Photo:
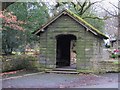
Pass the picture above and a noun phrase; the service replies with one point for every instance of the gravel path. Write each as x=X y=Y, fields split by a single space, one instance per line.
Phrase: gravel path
x=51 y=80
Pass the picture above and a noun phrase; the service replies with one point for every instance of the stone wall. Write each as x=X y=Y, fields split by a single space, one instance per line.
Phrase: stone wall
x=107 y=66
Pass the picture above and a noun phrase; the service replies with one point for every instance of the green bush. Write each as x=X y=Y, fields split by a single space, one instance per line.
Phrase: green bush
x=18 y=62
x=115 y=56
x=107 y=46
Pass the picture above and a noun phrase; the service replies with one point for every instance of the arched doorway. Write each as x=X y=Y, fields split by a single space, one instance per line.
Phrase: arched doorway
x=65 y=45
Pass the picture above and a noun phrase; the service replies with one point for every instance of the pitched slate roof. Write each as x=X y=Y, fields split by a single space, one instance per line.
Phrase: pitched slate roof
x=76 y=18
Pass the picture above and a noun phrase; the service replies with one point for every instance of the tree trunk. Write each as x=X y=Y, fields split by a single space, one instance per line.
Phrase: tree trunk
x=6 y=4
x=119 y=25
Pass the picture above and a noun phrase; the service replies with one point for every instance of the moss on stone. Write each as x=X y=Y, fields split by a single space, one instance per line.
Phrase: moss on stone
x=86 y=23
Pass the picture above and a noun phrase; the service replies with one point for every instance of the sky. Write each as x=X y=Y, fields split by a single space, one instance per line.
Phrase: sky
x=107 y=3
x=104 y=3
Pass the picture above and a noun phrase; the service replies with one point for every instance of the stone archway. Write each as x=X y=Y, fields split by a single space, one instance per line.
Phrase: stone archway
x=65 y=45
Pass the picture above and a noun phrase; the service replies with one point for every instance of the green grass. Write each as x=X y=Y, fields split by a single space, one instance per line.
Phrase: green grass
x=85 y=71
x=19 y=73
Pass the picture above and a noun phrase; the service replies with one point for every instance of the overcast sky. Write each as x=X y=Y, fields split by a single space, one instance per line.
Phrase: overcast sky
x=104 y=3
x=107 y=3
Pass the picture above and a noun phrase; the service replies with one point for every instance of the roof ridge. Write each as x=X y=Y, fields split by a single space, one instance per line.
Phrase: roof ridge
x=74 y=16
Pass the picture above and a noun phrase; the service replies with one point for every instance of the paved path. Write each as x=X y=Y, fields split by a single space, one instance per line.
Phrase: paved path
x=50 y=80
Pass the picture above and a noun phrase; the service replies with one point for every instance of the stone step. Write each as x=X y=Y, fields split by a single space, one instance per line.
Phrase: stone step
x=63 y=72
x=64 y=69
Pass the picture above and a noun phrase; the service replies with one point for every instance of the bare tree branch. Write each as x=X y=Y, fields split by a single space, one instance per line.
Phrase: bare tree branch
x=85 y=7
x=114 y=15
x=104 y=18
x=115 y=5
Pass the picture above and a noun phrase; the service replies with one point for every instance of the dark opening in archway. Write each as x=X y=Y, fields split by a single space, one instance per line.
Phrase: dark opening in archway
x=63 y=49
